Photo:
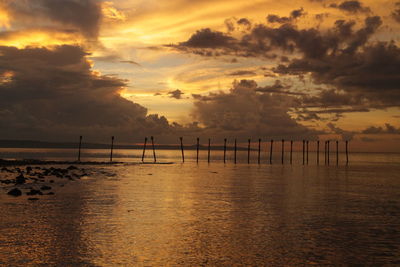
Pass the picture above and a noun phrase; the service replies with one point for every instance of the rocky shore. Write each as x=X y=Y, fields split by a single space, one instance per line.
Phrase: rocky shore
x=36 y=178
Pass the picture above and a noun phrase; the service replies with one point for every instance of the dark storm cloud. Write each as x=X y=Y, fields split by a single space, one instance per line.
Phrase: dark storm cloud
x=53 y=94
x=351 y=7
x=243 y=110
x=83 y=15
x=388 y=129
x=177 y=94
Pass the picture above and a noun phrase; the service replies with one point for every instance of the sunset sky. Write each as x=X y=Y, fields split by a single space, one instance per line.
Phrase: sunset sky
x=246 y=69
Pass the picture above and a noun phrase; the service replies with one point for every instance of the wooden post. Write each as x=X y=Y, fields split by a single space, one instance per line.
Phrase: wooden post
x=209 y=150
x=337 y=152
x=325 y=157
x=304 y=144
x=318 y=152
x=183 y=153
x=234 y=156
x=112 y=147
x=347 y=152
x=154 y=149
x=307 y=150
x=259 y=151
x=283 y=150
x=197 y=152
x=144 y=148
x=225 y=150
x=79 y=149
x=291 y=151
x=270 y=151
x=248 y=152
x=328 y=148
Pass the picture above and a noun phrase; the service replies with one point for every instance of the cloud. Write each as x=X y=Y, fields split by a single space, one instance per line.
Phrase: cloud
x=177 y=94
x=297 y=13
x=243 y=73
x=244 y=22
x=278 y=88
x=53 y=94
x=84 y=15
x=357 y=74
x=331 y=98
x=206 y=38
x=346 y=135
x=396 y=13
x=388 y=129
x=131 y=62
x=353 y=6
x=245 y=111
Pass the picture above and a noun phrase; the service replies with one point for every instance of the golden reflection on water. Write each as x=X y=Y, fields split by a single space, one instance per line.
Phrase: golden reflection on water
x=193 y=215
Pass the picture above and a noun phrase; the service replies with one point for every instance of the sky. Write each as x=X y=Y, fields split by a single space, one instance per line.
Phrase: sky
x=305 y=69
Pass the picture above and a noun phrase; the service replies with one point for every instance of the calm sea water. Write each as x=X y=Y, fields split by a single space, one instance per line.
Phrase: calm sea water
x=208 y=214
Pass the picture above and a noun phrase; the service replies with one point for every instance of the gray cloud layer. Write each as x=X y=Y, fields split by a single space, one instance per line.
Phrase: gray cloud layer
x=83 y=15
x=247 y=111
x=53 y=94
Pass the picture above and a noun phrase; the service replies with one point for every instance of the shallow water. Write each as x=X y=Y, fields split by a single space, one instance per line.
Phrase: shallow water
x=211 y=214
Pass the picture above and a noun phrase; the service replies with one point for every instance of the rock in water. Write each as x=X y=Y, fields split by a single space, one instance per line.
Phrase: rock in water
x=20 y=179
x=45 y=187
x=15 y=192
x=34 y=192
x=72 y=168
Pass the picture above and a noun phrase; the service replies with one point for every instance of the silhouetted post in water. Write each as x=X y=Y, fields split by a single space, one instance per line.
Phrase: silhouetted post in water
x=291 y=151
x=347 y=152
x=79 y=149
x=283 y=149
x=318 y=152
x=325 y=152
x=225 y=150
x=270 y=151
x=304 y=147
x=307 y=150
x=234 y=156
x=183 y=154
x=248 y=152
x=337 y=152
x=112 y=147
x=197 y=152
x=328 y=147
x=154 y=149
x=209 y=150
x=259 y=151
x=144 y=148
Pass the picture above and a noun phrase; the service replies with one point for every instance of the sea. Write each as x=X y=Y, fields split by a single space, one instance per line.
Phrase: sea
x=208 y=212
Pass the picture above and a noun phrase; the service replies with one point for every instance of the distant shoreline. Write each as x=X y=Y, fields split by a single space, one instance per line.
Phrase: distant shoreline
x=70 y=145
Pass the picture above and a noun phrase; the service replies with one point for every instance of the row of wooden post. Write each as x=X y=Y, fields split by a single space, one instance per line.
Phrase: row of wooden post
x=304 y=150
